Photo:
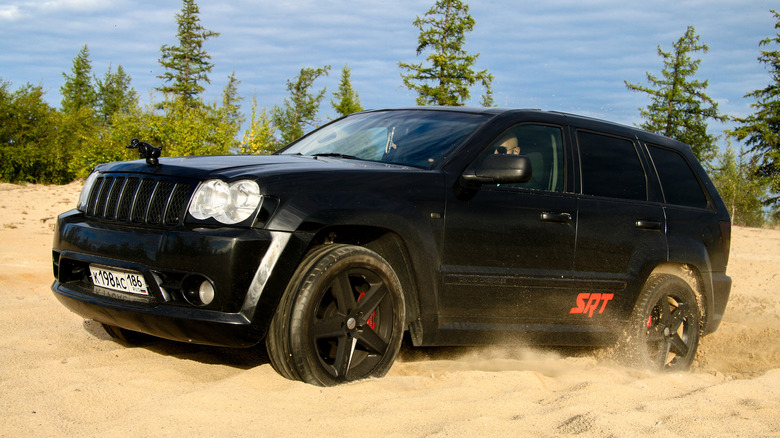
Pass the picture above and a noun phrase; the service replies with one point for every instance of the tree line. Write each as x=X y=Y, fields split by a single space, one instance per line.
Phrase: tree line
x=748 y=179
x=99 y=115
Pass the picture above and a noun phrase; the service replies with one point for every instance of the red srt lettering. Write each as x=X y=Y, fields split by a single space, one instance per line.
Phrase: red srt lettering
x=587 y=303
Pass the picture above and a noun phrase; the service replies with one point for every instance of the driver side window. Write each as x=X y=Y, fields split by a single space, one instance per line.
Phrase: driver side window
x=543 y=145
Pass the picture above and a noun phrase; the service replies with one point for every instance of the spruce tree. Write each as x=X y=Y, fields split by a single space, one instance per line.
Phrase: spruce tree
x=77 y=123
x=259 y=136
x=231 y=110
x=348 y=101
x=114 y=94
x=300 y=109
x=78 y=91
x=761 y=130
x=187 y=65
x=741 y=191
x=231 y=101
x=448 y=75
x=487 y=98
x=679 y=107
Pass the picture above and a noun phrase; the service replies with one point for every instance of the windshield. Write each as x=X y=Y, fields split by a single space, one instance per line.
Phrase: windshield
x=410 y=137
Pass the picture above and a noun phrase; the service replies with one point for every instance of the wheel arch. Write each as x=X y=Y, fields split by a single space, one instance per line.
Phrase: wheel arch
x=390 y=246
x=694 y=254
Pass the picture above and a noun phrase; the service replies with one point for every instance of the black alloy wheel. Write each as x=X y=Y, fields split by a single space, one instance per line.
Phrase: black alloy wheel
x=341 y=318
x=125 y=336
x=665 y=325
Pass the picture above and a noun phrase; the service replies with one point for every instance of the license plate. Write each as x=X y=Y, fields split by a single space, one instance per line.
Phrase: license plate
x=122 y=281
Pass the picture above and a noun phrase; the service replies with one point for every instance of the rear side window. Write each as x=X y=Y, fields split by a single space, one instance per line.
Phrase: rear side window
x=611 y=167
x=680 y=185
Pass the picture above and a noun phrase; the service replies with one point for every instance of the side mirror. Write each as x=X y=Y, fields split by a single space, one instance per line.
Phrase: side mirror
x=499 y=169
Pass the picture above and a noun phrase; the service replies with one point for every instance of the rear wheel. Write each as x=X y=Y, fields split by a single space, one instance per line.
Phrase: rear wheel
x=340 y=319
x=665 y=325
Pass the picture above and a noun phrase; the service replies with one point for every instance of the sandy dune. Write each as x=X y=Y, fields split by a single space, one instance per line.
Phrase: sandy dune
x=60 y=375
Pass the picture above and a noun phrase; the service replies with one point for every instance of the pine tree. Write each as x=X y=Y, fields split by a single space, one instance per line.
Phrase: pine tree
x=259 y=137
x=300 y=109
x=102 y=137
x=679 y=107
x=449 y=76
x=231 y=110
x=188 y=64
x=185 y=130
x=348 y=101
x=487 y=98
x=761 y=130
x=77 y=124
x=741 y=191
x=231 y=101
x=77 y=91
x=114 y=94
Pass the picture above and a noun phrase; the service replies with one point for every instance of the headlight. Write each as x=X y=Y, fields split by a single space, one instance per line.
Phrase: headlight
x=86 y=189
x=229 y=203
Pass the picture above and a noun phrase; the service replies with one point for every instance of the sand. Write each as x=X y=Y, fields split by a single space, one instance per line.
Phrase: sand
x=61 y=375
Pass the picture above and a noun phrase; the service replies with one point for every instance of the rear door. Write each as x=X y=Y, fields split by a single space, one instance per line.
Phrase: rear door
x=620 y=225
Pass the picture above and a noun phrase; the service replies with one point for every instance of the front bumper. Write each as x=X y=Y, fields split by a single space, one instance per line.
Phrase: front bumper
x=244 y=265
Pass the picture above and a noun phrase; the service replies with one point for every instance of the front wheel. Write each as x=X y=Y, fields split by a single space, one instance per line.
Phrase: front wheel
x=665 y=326
x=340 y=319
x=128 y=337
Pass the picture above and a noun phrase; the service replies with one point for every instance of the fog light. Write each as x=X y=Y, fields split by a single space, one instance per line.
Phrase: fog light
x=206 y=292
x=198 y=290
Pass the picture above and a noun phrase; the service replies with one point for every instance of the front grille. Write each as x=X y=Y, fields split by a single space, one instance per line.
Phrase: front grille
x=139 y=200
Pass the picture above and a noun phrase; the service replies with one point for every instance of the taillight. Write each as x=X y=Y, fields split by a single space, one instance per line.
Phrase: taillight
x=725 y=234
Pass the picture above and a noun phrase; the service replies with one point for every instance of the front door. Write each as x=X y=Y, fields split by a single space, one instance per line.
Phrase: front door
x=509 y=249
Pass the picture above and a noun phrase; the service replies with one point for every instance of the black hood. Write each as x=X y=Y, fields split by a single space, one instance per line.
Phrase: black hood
x=234 y=166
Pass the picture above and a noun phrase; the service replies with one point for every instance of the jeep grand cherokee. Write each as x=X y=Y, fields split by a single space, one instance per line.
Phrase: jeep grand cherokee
x=458 y=226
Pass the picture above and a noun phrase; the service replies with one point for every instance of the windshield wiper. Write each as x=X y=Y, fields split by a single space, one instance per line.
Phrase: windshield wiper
x=337 y=155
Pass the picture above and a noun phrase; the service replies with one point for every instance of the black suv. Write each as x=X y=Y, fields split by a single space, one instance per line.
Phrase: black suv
x=458 y=226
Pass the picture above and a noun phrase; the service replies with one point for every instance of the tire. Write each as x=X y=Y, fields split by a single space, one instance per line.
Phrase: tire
x=340 y=319
x=665 y=326
x=125 y=336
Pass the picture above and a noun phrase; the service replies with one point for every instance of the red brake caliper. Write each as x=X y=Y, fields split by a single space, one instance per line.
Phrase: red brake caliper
x=370 y=320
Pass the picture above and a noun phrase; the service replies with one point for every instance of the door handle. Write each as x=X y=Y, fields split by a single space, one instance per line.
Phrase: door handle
x=558 y=218
x=647 y=224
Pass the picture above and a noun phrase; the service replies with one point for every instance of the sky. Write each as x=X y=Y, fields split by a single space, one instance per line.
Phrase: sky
x=561 y=55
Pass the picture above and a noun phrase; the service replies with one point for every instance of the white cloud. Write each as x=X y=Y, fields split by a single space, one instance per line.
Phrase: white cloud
x=76 y=5
x=38 y=9
x=9 y=12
